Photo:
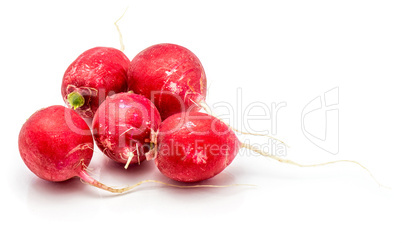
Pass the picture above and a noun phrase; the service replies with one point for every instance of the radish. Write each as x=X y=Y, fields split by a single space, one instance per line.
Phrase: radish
x=169 y=75
x=192 y=147
x=95 y=74
x=56 y=144
x=122 y=127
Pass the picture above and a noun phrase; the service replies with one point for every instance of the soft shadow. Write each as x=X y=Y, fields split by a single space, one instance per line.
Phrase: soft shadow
x=40 y=190
x=226 y=183
x=61 y=200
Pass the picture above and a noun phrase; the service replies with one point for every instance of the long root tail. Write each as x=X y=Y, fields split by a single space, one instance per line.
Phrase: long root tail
x=287 y=161
x=91 y=181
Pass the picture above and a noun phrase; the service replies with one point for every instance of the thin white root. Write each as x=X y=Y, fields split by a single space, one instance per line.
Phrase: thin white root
x=125 y=189
x=90 y=171
x=130 y=157
x=81 y=147
x=250 y=147
x=131 y=128
x=122 y=47
x=85 y=178
x=209 y=111
x=206 y=107
x=138 y=153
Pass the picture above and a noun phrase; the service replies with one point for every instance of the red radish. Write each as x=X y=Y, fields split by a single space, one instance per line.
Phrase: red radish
x=169 y=75
x=122 y=127
x=195 y=146
x=56 y=144
x=95 y=74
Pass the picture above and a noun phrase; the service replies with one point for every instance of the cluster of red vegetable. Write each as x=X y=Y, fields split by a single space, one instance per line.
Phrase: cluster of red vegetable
x=146 y=109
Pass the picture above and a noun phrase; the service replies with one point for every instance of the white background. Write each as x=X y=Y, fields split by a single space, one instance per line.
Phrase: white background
x=274 y=51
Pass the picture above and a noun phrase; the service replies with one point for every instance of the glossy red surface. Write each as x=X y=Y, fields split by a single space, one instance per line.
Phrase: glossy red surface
x=55 y=143
x=96 y=74
x=169 y=75
x=194 y=147
x=123 y=125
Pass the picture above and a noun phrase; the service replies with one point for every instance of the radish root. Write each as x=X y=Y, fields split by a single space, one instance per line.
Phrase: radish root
x=250 y=147
x=80 y=147
x=122 y=47
x=85 y=178
x=131 y=128
x=138 y=153
x=130 y=157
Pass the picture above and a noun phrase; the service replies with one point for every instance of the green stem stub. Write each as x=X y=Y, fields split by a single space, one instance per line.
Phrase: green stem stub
x=76 y=100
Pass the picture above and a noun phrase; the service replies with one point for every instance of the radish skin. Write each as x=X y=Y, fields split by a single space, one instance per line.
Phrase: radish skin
x=195 y=146
x=171 y=76
x=122 y=127
x=95 y=74
x=56 y=145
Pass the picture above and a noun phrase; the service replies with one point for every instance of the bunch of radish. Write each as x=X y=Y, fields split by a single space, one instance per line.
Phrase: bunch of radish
x=146 y=109
x=128 y=102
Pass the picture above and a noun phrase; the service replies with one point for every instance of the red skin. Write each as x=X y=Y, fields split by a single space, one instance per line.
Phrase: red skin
x=95 y=74
x=56 y=143
x=123 y=122
x=169 y=75
x=195 y=146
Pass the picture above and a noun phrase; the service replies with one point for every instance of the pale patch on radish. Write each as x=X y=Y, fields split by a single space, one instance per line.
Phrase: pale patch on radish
x=168 y=73
x=174 y=88
x=200 y=158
